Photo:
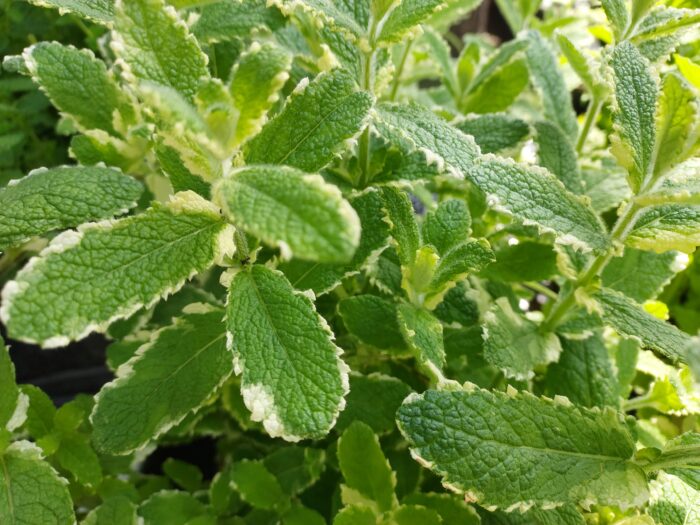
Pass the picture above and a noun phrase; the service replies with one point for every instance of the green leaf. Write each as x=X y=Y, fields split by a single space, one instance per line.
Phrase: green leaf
x=372 y=319
x=30 y=489
x=465 y=258
x=514 y=344
x=630 y=320
x=86 y=279
x=398 y=211
x=337 y=16
x=373 y=400
x=365 y=469
x=314 y=125
x=40 y=413
x=181 y=178
x=556 y=153
x=635 y=122
x=296 y=468
x=525 y=261
x=228 y=20
x=549 y=81
x=580 y=64
x=498 y=91
x=404 y=18
x=99 y=11
x=156 y=46
x=514 y=450
x=530 y=194
x=355 y=515
x=171 y=507
x=584 y=374
x=301 y=214
x=257 y=485
x=641 y=275
x=276 y=354
x=58 y=198
x=113 y=511
x=675 y=120
x=76 y=456
x=448 y=225
x=517 y=12
x=256 y=80
x=185 y=475
x=673 y=502
x=495 y=132
x=415 y=515
x=79 y=85
x=452 y=509
x=662 y=23
x=618 y=16
x=169 y=377
x=423 y=335
x=13 y=404
x=668 y=227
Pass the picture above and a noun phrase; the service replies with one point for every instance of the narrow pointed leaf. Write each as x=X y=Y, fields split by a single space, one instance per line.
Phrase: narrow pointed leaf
x=293 y=379
x=300 y=213
x=399 y=215
x=511 y=451
x=57 y=198
x=314 y=124
x=86 y=279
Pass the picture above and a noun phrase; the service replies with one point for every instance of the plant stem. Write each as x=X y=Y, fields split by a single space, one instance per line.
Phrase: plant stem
x=396 y=82
x=540 y=288
x=591 y=116
x=568 y=300
x=682 y=456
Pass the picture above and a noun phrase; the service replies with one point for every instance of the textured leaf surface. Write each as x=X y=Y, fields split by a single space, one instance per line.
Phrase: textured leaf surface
x=256 y=79
x=116 y=510
x=61 y=198
x=457 y=263
x=507 y=450
x=447 y=225
x=584 y=374
x=372 y=319
x=100 y=11
x=77 y=83
x=494 y=133
x=631 y=320
x=13 y=404
x=313 y=125
x=673 y=502
x=169 y=377
x=515 y=344
x=635 y=94
x=157 y=46
x=641 y=275
x=556 y=153
x=364 y=467
x=405 y=16
x=402 y=223
x=30 y=489
x=667 y=227
x=423 y=335
x=303 y=215
x=293 y=379
x=229 y=20
x=84 y=280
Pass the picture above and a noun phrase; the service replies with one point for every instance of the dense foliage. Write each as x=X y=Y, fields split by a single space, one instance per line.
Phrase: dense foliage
x=392 y=272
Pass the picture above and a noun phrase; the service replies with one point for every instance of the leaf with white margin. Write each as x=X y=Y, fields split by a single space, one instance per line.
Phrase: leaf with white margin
x=79 y=85
x=300 y=213
x=31 y=491
x=402 y=21
x=642 y=275
x=514 y=450
x=673 y=502
x=86 y=279
x=233 y=19
x=98 y=11
x=631 y=320
x=531 y=194
x=514 y=343
x=293 y=378
x=170 y=376
x=13 y=403
x=335 y=15
x=617 y=14
x=422 y=332
x=63 y=197
x=154 y=44
x=634 y=116
x=667 y=227
x=548 y=79
x=317 y=120
x=256 y=80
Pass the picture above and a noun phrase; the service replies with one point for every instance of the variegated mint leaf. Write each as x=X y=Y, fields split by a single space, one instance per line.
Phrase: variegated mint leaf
x=422 y=332
x=495 y=132
x=373 y=320
x=235 y=19
x=155 y=45
x=301 y=214
x=314 y=125
x=338 y=16
x=556 y=153
x=673 y=502
x=513 y=450
x=64 y=197
x=13 y=403
x=31 y=491
x=448 y=225
x=88 y=278
x=170 y=376
x=618 y=16
x=406 y=16
x=98 y=11
x=293 y=379
x=642 y=275
x=398 y=212
x=667 y=227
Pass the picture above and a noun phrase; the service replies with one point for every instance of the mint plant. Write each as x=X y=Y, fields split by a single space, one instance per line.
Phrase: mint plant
x=391 y=271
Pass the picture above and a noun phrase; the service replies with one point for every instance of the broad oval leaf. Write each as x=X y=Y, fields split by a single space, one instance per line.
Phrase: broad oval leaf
x=170 y=376
x=99 y=11
x=314 y=124
x=57 y=198
x=299 y=213
x=86 y=279
x=515 y=450
x=293 y=379
x=667 y=227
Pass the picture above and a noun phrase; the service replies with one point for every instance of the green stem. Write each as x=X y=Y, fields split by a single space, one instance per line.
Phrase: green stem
x=568 y=300
x=591 y=116
x=685 y=456
x=396 y=82
x=365 y=157
x=540 y=288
